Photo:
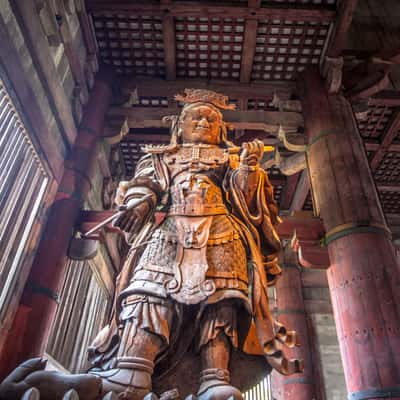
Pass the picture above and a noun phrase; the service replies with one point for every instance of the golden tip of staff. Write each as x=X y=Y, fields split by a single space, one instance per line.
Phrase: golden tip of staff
x=268 y=148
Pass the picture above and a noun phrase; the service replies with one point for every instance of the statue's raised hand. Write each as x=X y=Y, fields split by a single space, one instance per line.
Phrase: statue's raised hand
x=252 y=153
x=132 y=214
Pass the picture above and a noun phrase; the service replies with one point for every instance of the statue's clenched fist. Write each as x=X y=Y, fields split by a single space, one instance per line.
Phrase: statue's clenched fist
x=252 y=153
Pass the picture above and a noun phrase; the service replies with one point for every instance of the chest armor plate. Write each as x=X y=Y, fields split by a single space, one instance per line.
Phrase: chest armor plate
x=193 y=192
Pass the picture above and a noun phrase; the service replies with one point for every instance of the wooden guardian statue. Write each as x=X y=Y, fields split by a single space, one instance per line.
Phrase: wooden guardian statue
x=196 y=283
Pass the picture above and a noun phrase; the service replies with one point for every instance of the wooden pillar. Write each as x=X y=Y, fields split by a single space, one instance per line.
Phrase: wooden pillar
x=364 y=277
x=45 y=279
x=291 y=312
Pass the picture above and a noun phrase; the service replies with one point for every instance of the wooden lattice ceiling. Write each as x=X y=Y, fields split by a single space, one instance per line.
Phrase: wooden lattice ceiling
x=254 y=42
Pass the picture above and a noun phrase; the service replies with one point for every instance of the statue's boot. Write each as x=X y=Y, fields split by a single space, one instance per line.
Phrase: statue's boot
x=215 y=353
x=214 y=385
x=132 y=377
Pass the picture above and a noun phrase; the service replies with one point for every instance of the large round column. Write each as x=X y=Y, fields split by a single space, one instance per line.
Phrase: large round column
x=47 y=270
x=364 y=277
x=291 y=312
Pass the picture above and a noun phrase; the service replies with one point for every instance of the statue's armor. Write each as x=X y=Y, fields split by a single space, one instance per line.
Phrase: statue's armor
x=197 y=252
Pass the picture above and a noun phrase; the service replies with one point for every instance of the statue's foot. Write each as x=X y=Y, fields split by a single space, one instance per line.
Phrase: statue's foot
x=220 y=392
x=131 y=380
x=214 y=385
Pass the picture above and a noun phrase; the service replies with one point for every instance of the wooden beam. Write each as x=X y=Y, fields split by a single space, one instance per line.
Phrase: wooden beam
x=389 y=98
x=269 y=121
x=199 y=9
x=386 y=141
x=39 y=49
x=249 y=49
x=15 y=76
x=384 y=187
x=375 y=146
x=168 y=27
x=72 y=53
x=289 y=191
x=158 y=87
x=299 y=198
x=87 y=29
x=341 y=27
x=307 y=227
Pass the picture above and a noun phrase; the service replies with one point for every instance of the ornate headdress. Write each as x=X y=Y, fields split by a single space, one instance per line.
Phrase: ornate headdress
x=205 y=96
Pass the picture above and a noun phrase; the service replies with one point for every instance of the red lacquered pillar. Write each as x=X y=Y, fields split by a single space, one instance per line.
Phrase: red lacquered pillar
x=48 y=267
x=364 y=277
x=291 y=312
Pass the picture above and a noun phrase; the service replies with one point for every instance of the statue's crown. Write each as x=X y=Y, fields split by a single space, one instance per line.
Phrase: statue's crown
x=207 y=96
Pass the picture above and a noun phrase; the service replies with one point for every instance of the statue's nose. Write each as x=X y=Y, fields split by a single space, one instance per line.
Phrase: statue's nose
x=204 y=123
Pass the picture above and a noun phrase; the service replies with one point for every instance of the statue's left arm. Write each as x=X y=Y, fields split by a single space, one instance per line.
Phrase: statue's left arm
x=252 y=199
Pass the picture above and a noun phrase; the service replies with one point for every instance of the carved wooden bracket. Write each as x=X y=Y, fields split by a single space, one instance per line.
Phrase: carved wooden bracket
x=285 y=138
x=305 y=233
x=332 y=70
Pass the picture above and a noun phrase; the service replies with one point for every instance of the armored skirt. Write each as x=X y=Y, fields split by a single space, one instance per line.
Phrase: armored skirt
x=217 y=272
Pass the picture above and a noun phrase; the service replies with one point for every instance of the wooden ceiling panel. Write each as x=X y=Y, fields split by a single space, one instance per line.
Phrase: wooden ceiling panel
x=131 y=43
x=285 y=47
x=209 y=47
x=389 y=169
x=376 y=122
x=390 y=201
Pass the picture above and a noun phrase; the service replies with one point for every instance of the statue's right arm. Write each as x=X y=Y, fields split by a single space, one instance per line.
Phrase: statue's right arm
x=142 y=185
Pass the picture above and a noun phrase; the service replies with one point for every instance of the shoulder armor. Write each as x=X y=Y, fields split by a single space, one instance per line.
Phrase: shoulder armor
x=158 y=148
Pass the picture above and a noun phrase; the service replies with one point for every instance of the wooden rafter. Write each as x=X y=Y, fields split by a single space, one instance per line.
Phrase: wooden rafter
x=342 y=25
x=249 y=49
x=199 y=9
x=386 y=141
x=168 y=26
x=249 y=45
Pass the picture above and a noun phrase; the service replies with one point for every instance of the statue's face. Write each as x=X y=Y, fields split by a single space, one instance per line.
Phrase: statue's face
x=201 y=124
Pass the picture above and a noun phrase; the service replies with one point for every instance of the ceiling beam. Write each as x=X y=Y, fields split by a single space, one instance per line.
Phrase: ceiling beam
x=375 y=146
x=387 y=138
x=249 y=49
x=342 y=24
x=158 y=87
x=268 y=121
x=168 y=27
x=384 y=187
x=199 y=9
x=249 y=44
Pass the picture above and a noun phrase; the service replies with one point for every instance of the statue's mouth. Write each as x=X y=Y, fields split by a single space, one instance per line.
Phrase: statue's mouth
x=202 y=129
